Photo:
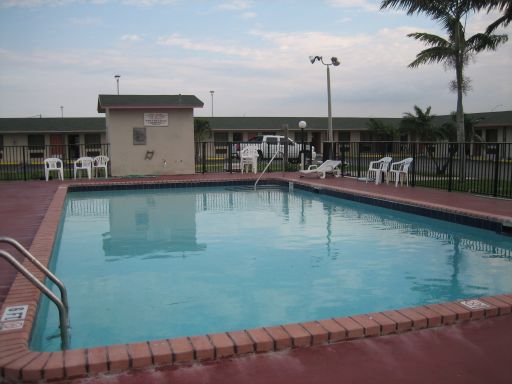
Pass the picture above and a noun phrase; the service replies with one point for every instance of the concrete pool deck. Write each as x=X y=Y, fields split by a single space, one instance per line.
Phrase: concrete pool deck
x=25 y=205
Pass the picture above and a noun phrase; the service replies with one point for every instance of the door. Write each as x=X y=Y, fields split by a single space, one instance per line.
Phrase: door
x=57 y=146
x=74 y=146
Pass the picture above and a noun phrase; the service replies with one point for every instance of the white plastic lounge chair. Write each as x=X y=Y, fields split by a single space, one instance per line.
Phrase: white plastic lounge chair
x=100 y=162
x=249 y=156
x=400 y=171
x=53 y=164
x=328 y=166
x=379 y=169
x=83 y=164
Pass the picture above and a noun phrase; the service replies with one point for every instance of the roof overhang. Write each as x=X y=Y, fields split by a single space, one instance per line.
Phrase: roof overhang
x=154 y=102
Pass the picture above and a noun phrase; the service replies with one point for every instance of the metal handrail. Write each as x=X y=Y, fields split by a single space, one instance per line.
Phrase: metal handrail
x=63 y=312
x=41 y=267
x=268 y=165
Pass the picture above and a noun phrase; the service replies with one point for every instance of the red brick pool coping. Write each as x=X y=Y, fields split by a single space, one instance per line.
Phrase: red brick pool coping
x=18 y=362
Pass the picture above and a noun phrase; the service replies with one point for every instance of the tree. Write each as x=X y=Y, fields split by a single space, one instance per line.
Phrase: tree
x=420 y=125
x=382 y=131
x=202 y=130
x=456 y=50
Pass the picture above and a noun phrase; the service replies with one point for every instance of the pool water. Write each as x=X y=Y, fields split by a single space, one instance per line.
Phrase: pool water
x=151 y=264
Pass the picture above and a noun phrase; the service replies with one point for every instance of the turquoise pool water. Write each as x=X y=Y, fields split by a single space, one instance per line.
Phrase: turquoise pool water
x=150 y=264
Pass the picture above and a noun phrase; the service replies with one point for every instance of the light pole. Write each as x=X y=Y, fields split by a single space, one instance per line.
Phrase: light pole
x=302 y=125
x=61 y=111
x=335 y=62
x=117 y=80
x=212 y=92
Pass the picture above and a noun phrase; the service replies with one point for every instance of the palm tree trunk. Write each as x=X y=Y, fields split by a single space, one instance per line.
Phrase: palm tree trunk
x=459 y=70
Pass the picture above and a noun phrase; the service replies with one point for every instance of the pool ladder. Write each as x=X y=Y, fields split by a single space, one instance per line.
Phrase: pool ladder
x=62 y=303
x=265 y=169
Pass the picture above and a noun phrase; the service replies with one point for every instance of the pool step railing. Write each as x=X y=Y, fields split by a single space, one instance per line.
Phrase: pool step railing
x=268 y=165
x=62 y=303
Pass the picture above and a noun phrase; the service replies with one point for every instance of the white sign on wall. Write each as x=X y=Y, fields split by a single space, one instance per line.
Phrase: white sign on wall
x=156 y=119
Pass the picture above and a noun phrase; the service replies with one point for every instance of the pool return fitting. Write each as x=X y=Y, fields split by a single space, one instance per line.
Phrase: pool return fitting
x=62 y=303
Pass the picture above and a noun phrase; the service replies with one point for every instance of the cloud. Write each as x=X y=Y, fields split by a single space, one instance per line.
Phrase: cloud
x=85 y=21
x=210 y=46
x=272 y=77
x=365 y=5
x=132 y=38
x=236 y=5
x=33 y=3
x=41 y=3
x=248 y=15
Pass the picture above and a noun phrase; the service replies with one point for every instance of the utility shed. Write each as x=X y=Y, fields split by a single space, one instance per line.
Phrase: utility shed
x=150 y=134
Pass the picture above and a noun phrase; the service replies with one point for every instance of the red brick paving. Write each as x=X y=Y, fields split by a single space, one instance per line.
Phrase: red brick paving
x=469 y=353
x=23 y=220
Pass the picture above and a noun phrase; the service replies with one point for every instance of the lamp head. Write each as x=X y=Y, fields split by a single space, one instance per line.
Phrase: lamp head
x=314 y=58
x=302 y=124
x=117 y=77
x=335 y=61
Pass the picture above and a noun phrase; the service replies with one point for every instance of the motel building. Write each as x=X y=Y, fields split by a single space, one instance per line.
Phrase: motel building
x=154 y=134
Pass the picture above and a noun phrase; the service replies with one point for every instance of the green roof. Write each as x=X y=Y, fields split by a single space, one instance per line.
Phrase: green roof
x=276 y=123
x=147 y=101
x=52 y=124
x=97 y=124
x=488 y=119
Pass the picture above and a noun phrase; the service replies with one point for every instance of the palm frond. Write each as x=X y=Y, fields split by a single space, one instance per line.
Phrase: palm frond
x=432 y=55
x=429 y=39
x=483 y=41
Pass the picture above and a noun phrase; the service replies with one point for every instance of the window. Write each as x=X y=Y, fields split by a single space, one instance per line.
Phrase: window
x=256 y=139
x=36 y=146
x=237 y=136
x=344 y=136
x=491 y=135
x=36 y=141
x=272 y=140
x=298 y=137
x=1 y=142
x=220 y=137
x=92 y=144
x=92 y=138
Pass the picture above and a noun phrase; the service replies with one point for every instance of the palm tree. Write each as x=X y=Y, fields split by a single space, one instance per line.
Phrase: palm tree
x=456 y=50
x=422 y=128
x=420 y=125
x=202 y=130
x=382 y=131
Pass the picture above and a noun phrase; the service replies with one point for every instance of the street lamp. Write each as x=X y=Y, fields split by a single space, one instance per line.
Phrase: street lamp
x=302 y=126
x=61 y=111
x=335 y=62
x=117 y=80
x=212 y=92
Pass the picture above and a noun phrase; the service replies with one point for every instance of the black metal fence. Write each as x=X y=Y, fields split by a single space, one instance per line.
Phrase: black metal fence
x=480 y=168
x=27 y=162
x=225 y=156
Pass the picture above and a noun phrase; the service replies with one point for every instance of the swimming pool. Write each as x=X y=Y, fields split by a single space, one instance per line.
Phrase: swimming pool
x=150 y=264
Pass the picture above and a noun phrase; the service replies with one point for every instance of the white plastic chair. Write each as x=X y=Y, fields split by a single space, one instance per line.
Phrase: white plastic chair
x=100 y=162
x=328 y=166
x=83 y=164
x=380 y=169
x=53 y=164
x=400 y=171
x=249 y=156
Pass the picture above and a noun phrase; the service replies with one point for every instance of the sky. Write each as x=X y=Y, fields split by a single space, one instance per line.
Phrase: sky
x=252 y=54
